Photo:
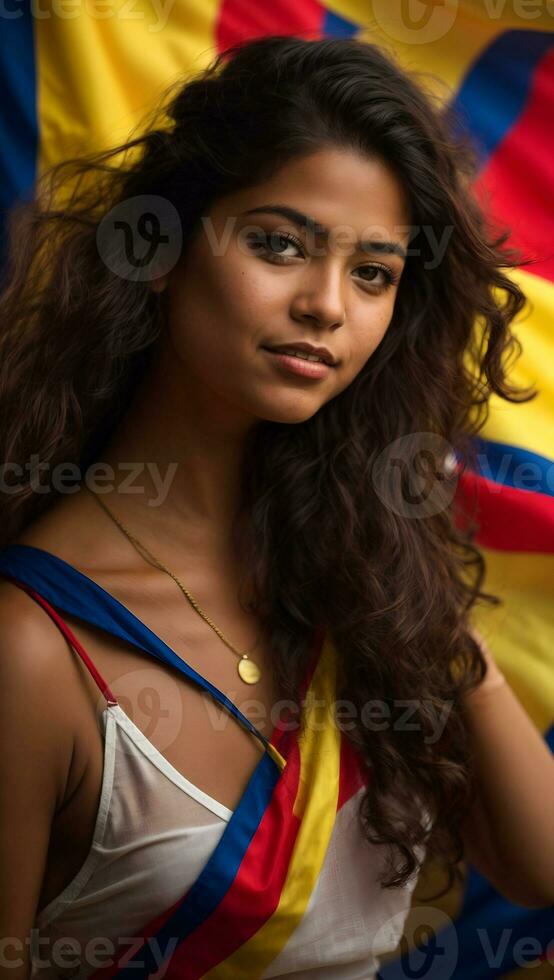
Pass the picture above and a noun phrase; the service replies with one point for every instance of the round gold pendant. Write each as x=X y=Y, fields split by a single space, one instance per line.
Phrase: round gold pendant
x=248 y=670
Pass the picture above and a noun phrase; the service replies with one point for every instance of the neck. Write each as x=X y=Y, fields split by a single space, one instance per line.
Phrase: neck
x=176 y=461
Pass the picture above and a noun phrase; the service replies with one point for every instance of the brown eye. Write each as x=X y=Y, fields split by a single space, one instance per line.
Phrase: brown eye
x=390 y=277
x=274 y=242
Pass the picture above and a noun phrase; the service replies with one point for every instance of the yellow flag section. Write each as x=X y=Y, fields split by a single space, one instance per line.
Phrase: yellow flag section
x=100 y=72
x=531 y=424
x=521 y=630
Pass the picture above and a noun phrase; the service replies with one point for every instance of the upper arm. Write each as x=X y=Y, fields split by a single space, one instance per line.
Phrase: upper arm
x=481 y=852
x=35 y=755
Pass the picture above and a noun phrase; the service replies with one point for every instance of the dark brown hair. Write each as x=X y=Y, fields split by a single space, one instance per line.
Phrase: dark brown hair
x=324 y=544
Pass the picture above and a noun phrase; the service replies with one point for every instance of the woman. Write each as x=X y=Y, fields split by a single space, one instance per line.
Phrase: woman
x=214 y=521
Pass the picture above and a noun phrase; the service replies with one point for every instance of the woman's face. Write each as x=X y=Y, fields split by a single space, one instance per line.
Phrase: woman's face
x=241 y=289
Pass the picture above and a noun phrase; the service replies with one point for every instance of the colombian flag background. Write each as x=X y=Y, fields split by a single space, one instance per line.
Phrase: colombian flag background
x=77 y=75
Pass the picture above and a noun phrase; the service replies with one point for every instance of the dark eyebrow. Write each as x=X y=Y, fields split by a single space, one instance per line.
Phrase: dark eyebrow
x=304 y=221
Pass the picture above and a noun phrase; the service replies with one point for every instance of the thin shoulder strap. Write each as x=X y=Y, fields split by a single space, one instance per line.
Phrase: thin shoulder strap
x=70 y=637
x=78 y=595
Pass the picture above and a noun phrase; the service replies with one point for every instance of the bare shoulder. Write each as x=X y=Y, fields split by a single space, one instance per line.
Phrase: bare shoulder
x=23 y=625
x=36 y=752
x=34 y=669
x=23 y=621
x=39 y=671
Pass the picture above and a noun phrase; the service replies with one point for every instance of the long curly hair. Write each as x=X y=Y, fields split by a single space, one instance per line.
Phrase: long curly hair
x=327 y=535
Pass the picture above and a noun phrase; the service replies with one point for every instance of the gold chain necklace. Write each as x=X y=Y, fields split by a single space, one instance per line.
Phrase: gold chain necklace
x=248 y=669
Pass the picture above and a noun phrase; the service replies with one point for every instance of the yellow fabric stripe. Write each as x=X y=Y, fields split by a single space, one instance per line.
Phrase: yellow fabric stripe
x=316 y=804
x=520 y=632
x=529 y=425
x=100 y=72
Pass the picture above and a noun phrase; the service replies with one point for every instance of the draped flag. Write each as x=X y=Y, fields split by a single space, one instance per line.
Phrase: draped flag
x=77 y=75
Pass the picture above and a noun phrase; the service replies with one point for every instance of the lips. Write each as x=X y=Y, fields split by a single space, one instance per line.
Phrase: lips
x=306 y=352
x=301 y=367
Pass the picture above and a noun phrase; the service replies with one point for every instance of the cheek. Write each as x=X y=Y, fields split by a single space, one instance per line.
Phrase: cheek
x=368 y=334
x=254 y=289
x=229 y=289
x=211 y=314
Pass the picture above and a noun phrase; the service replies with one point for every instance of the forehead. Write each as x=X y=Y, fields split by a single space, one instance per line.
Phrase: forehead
x=337 y=187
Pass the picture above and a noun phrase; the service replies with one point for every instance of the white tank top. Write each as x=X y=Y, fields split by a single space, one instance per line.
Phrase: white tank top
x=154 y=833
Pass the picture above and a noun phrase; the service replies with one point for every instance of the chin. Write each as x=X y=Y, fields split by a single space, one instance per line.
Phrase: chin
x=289 y=415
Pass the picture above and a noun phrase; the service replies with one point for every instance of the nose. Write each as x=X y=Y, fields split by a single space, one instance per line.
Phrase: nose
x=320 y=297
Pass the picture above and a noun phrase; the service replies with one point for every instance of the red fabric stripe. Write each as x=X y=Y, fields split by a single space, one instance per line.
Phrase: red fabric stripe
x=241 y=20
x=517 y=184
x=509 y=519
